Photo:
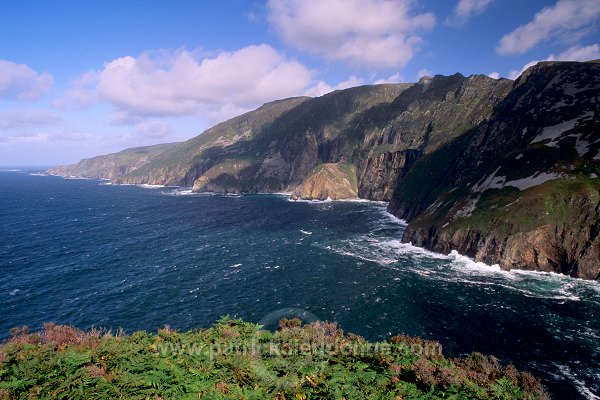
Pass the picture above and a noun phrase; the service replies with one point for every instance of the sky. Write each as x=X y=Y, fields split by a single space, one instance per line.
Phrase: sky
x=83 y=78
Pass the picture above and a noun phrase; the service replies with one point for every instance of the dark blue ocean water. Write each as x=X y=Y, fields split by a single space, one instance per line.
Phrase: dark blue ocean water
x=85 y=253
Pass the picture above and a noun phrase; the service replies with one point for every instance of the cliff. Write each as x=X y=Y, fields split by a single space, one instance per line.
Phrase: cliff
x=329 y=181
x=522 y=189
x=505 y=172
x=382 y=130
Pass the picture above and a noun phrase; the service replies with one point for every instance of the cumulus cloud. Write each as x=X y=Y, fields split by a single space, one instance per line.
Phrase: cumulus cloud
x=176 y=83
x=494 y=75
x=578 y=53
x=566 y=20
x=395 y=78
x=20 y=82
x=575 y=53
x=465 y=9
x=19 y=119
x=366 y=33
x=153 y=129
x=81 y=92
x=46 y=136
x=424 y=72
x=515 y=73
x=321 y=88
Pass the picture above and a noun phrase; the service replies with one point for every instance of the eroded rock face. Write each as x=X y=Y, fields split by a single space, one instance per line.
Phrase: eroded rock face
x=329 y=181
x=522 y=190
x=548 y=248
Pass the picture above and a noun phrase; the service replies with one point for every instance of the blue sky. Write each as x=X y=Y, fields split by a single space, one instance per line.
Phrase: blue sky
x=82 y=78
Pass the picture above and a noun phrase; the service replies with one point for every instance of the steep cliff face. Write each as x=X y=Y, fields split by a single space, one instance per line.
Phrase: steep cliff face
x=521 y=190
x=382 y=130
x=222 y=144
x=506 y=172
x=333 y=181
x=420 y=120
x=278 y=145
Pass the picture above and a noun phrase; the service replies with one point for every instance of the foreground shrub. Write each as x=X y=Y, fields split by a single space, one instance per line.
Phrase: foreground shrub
x=237 y=360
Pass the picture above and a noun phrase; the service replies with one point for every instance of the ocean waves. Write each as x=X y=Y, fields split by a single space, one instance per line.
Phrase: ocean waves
x=377 y=247
x=85 y=253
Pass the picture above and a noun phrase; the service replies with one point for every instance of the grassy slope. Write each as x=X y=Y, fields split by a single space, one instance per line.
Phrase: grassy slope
x=232 y=130
x=113 y=164
x=313 y=361
x=274 y=126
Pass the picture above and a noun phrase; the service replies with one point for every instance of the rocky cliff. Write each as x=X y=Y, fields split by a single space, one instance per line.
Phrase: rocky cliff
x=381 y=130
x=506 y=172
x=335 y=181
x=522 y=189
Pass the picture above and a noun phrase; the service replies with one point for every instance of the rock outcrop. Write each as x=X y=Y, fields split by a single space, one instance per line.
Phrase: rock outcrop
x=335 y=181
x=522 y=189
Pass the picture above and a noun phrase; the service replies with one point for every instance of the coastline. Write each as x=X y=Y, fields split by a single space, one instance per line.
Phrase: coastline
x=453 y=255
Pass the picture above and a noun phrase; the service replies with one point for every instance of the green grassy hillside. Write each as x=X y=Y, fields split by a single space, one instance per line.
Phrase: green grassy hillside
x=237 y=360
x=113 y=166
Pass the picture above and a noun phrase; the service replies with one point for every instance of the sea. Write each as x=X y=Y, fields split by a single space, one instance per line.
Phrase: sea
x=90 y=253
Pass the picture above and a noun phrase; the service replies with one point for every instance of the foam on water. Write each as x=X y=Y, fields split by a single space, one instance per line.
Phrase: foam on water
x=582 y=388
x=187 y=191
x=328 y=200
x=458 y=268
x=144 y=258
x=147 y=186
x=391 y=217
x=180 y=191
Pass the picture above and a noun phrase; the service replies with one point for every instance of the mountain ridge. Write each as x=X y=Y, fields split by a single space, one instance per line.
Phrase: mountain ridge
x=452 y=154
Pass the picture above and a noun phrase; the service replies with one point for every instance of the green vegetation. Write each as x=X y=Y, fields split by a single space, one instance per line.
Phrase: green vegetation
x=557 y=202
x=237 y=360
x=113 y=166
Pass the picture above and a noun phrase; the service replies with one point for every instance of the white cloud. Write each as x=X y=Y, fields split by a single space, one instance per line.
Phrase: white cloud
x=45 y=136
x=515 y=73
x=575 y=53
x=20 y=119
x=178 y=83
x=81 y=92
x=20 y=82
x=366 y=33
x=566 y=20
x=424 y=72
x=70 y=136
x=395 y=78
x=321 y=88
x=494 y=75
x=153 y=129
x=466 y=9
